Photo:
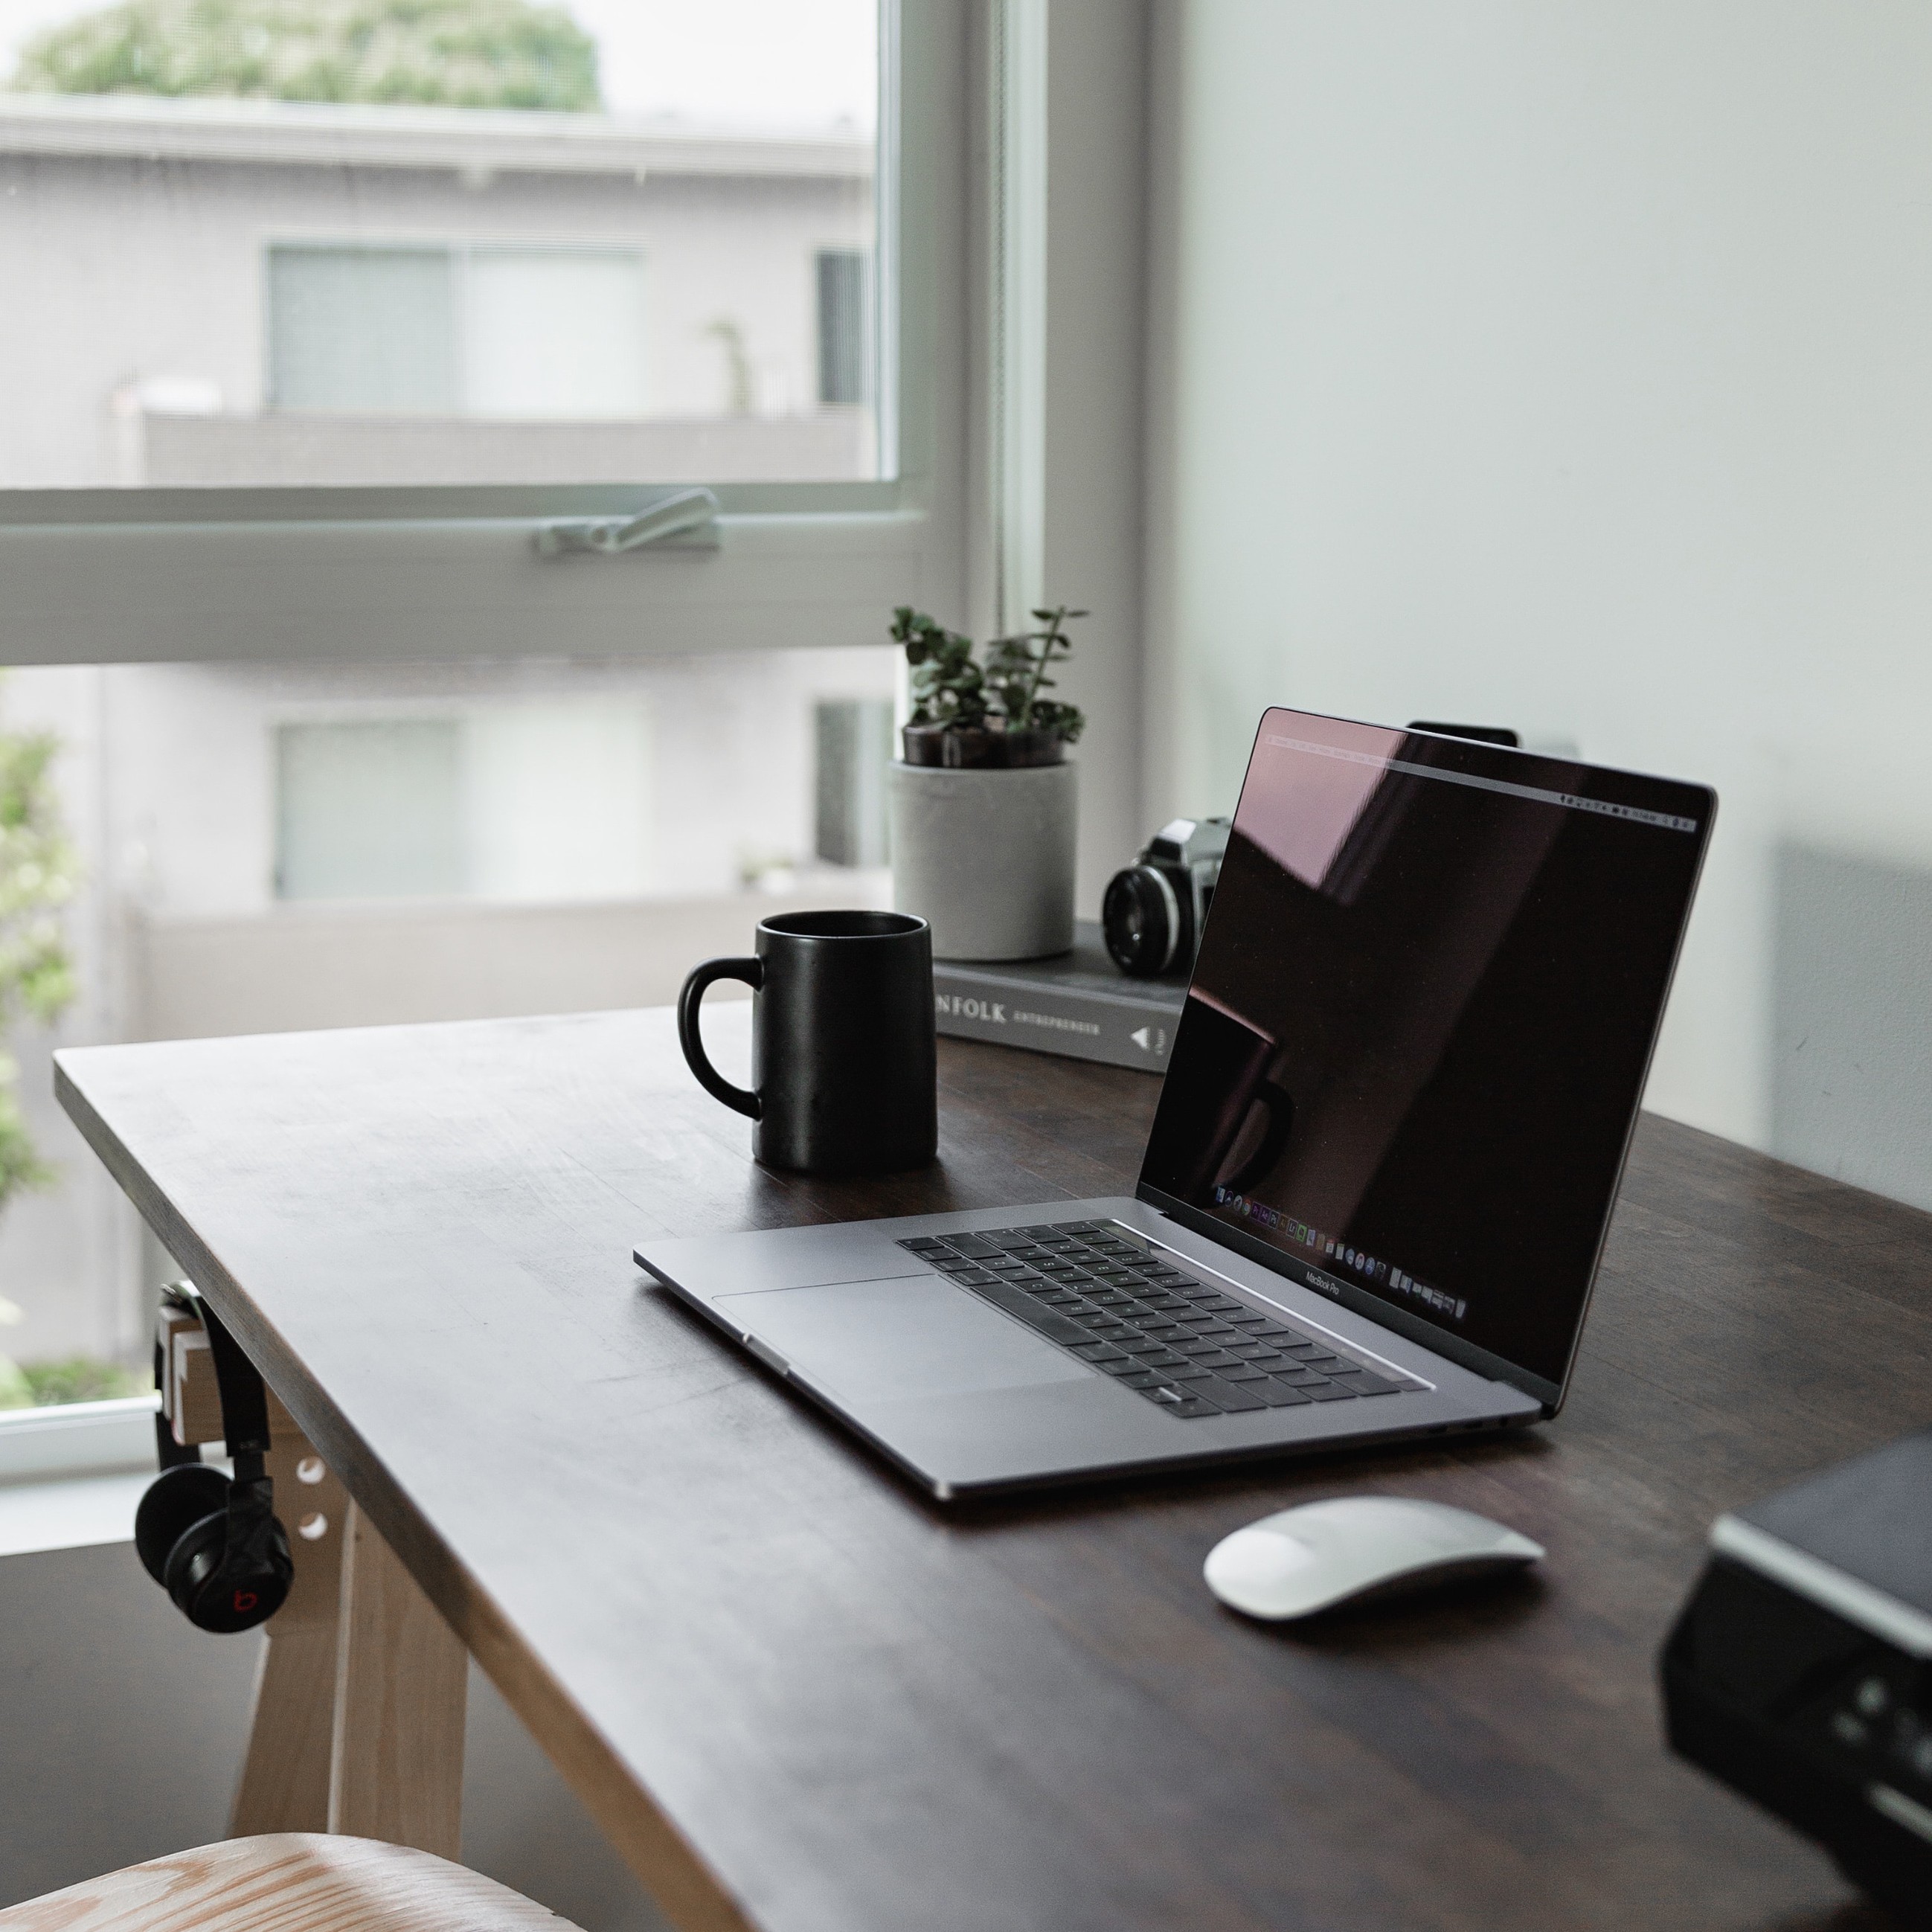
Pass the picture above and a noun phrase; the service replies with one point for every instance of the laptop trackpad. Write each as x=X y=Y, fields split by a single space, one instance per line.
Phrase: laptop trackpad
x=915 y=1335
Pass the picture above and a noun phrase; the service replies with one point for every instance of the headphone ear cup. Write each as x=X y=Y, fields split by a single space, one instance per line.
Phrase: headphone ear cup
x=224 y=1598
x=175 y=1500
x=195 y=1555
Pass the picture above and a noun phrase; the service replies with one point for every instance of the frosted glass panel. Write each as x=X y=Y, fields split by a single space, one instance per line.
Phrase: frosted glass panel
x=369 y=811
x=855 y=746
x=554 y=333
x=364 y=330
x=844 y=314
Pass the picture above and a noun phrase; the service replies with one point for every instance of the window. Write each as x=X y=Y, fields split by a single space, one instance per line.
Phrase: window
x=368 y=811
x=271 y=847
x=364 y=330
x=547 y=799
x=843 y=356
x=350 y=746
x=584 y=307
x=855 y=745
x=543 y=334
x=179 y=264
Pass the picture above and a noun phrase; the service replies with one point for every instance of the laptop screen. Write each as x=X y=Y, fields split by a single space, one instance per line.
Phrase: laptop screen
x=1420 y=1017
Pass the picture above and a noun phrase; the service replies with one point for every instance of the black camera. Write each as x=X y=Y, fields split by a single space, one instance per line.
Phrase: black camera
x=1153 y=912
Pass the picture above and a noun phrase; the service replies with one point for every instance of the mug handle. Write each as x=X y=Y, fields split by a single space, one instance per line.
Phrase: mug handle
x=752 y=972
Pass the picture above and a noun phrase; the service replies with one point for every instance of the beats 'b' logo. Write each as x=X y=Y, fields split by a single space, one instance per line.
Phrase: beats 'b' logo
x=243 y=1601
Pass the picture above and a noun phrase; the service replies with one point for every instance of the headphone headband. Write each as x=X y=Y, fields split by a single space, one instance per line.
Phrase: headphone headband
x=245 y=1399
x=168 y=1454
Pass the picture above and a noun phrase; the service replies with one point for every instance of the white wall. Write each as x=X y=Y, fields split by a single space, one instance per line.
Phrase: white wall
x=1571 y=367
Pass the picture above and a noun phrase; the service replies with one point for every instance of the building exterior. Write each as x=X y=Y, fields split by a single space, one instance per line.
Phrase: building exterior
x=211 y=292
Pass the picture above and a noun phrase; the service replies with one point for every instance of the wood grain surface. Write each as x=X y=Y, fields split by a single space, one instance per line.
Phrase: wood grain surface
x=799 y=1695
x=402 y=1682
x=289 y=1882
x=285 y=1775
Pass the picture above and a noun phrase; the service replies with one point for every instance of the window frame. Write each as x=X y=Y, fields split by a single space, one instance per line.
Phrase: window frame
x=187 y=574
x=119 y=576
x=79 y=1438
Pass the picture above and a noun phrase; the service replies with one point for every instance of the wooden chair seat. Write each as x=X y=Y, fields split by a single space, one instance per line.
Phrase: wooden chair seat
x=288 y=1882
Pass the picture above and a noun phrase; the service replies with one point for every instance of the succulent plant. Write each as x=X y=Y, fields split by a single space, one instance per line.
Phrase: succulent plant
x=965 y=713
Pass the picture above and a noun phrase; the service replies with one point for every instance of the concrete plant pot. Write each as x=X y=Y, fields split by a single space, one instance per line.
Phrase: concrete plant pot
x=986 y=857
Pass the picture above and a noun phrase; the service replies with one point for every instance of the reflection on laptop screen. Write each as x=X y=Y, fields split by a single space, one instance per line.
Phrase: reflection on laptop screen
x=1421 y=1018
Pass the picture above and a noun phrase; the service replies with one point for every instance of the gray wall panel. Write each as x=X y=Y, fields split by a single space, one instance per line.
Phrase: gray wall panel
x=1852 y=1028
x=121 y=1731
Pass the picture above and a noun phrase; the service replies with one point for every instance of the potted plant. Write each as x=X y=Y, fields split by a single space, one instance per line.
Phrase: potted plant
x=984 y=805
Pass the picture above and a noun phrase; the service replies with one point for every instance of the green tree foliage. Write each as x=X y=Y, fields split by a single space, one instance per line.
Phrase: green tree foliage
x=81 y=1378
x=37 y=872
x=450 y=53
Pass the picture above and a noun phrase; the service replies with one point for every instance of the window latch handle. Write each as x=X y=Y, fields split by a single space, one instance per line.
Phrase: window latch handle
x=690 y=516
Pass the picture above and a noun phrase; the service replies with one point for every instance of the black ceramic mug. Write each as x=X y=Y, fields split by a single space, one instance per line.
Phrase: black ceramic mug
x=845 y=1066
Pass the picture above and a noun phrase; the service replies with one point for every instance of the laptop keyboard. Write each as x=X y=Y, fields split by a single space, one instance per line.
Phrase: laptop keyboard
x=1185 y=1345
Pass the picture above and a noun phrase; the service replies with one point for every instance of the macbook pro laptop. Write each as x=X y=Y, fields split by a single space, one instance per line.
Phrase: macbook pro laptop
x=1375 y=1191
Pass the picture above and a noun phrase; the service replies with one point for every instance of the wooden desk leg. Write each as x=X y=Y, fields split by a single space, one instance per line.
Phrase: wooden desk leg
x=359 y=1707
x=284 y=1783
x=401 y=1681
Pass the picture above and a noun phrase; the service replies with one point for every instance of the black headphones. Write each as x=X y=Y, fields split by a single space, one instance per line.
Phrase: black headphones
x=213 y=1544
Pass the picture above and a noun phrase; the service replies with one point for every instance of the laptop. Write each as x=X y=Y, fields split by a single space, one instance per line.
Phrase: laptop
x=1377 y=1186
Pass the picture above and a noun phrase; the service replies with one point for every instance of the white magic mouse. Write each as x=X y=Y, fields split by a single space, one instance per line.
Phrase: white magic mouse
x=1301 y=1561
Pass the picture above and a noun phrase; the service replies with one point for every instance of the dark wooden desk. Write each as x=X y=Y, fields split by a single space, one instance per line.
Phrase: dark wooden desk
x=797 y=1695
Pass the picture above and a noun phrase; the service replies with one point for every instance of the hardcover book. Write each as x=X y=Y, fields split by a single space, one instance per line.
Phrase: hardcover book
x=1079 y=1003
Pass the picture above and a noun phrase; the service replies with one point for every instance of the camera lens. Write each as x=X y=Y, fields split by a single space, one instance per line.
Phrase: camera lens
x=1141 y=921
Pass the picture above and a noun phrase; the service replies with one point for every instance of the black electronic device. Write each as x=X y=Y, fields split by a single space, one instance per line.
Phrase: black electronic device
x=1154 y=912
x=1482 y=734
x=1800 y=1672
x=212 y=1542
